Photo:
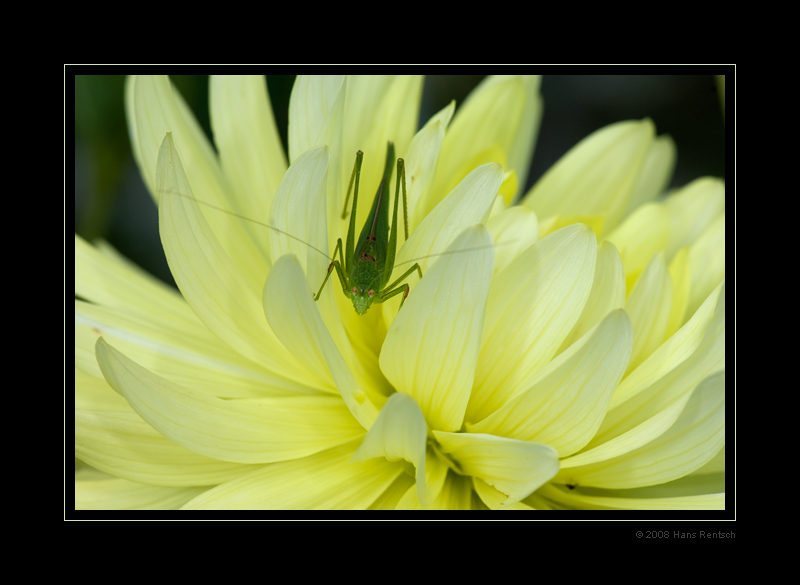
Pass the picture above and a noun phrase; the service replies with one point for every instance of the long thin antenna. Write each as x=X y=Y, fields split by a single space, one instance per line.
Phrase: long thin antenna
x=244 y=218
x=447 y=253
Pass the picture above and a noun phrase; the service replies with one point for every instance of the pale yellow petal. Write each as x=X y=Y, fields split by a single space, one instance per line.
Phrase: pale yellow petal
x=249 y=146
x=592 y=499
x=649 y=306
x=692 y=441
x=681 y=288
x=670 y=354
x=692 y=209
x=498 y=122
x=640 y=236
x=679 y=377
x=513 y=230
x=704 y=502
x=607 y=294
x=242 y=431
x=94 y=394
x=469 y=203
x=636 y=437
x=516 y=468
x=399 y=432
x=125 y=446
x=431 y=348
x=153 y=108
x=297 y=322
x=565 y=404
x=324 y=481
x=436 y=473
x=533 y=305
x=390 y=498
x=706 y=263
x=495 y=499
x=95 y=490
x=104 y=277
x=656 y=172
x=456 y=494
x=596 y=178
x=197 y=359
x=315 y=112
x=227 y=299
x=298 y=213
x=423 y=154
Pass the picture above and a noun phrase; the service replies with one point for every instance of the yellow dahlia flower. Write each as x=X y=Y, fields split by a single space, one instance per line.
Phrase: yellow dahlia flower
x=563 y=353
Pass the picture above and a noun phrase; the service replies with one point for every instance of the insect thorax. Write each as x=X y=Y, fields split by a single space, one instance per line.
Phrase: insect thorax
x=366 y=276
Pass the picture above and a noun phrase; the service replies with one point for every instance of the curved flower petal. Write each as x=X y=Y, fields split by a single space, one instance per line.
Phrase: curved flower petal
x=324 y=481
x=649 y=306
x=585 y=499
x=399 y=432
x=703 y=502
x=516 y=468
x=681 y=279
x=431 y=349
x=533 y=305
x=95 y=395
x=392 y=495
x=692 y=210
x=607 y=294
x=455 y=494
x=98 y=491
x=637 y=437
x=468 y=204
x=671 y=382
x=656 y=173
x=298 y=214
x=596 y=179
x=196 y=359
x=153 y=109
x=423 y=154
x=215 y=287
x=436 y=474
x=104 y=277
x=243 y=431
x=514 y=230
x=498 y=122
x=494 y=498
x=706 y=263
x=670 y=354
x=566 y=403
x=297 y=322
x=123 y=445
x=315 y=112
x=250 y=150
x=694 y=439
x=641 y=235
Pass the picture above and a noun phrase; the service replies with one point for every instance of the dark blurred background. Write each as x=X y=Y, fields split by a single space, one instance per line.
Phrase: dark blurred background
x=111 y=201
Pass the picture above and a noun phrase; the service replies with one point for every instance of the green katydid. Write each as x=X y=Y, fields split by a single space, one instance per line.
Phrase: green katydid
x=365 y=268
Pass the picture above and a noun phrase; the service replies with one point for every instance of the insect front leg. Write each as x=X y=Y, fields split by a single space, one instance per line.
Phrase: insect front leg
x=385 y=296
x=337 y=264
x=405 y=275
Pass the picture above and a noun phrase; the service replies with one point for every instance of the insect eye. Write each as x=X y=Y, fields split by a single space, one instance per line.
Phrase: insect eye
x=355 y=290
x=371 y=292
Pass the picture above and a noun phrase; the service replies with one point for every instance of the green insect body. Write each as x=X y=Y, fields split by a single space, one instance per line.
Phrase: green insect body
x=366 y=266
